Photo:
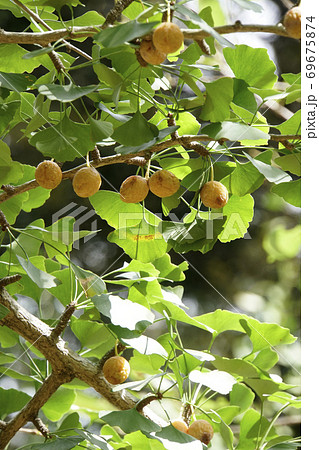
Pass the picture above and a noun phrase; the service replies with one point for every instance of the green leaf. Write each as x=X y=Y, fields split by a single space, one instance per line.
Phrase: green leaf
x=130 y=421
x=285 y=397
x=17 y=82
x=10 y=171
x=65 y=443
x=109 y=206
x=262 y=335
x=3 y=311
x=36 y=53
x=239 y=212
x=143 y=242
x=198 y=235
x=125 y=32
x=8 y=338
x=266 y=359
x=12 y=61
x=173 y=439
x=243 y=96
x=219 y=95
x=246 y=179
x=260 y=74
x=265 y=387
x=135 y=132
x=92 y=334
x=59 y=404
x=290 y=192
x=236 y=366
x=12 y=400
x=124 y=150
x=65 y=141
x=292 y=125
x=90 y=282
x=197 y=20
x=98 y=441
x=233 y=131
x=272 y=174
x=42 y=279
x=65 y=93
x=291 y=163
x=56 y=4
x=100 y=130
x=216 y=380
x=247 y=4
x=251 y=426
x=136 y=316
x=108 y=75
x=169 y=270
x=242 y=396
x=7 y=113
x=146 y=345
x=136 y=385
x=12 y=207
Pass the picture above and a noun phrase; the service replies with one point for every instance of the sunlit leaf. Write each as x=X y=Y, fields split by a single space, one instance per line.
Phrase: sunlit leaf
x=136 y=316
x=216 y=380
x=260 y=74
x=41 y=279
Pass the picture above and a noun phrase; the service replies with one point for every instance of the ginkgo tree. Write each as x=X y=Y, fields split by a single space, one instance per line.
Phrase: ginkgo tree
x=192 y=136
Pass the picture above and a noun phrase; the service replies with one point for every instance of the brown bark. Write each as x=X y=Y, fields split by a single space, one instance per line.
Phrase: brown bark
x=66 y=365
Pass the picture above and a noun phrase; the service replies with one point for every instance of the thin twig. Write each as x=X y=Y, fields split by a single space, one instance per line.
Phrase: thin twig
x=9 y=280
x=147 y=400
x=38 y=19
x=114 y=14
x=63 y=321
x=37 y=422
x=3 y=220
x=120 y=348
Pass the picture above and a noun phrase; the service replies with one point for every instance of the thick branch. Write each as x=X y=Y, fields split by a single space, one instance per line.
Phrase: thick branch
x=31 y=409
x=62 y=359
x=185 y=140
x=45 y=38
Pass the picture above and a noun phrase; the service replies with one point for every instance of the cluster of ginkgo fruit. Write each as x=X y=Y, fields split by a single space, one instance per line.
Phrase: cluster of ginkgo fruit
x=134 y=189
x=116 y=370
x=166 y=38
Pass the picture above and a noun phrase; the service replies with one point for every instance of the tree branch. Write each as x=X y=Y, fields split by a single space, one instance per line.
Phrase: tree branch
x=62 y=359
x=31 y=409
x=63 y=321
x=185 y=141
x=116 y=11
x=47 y=37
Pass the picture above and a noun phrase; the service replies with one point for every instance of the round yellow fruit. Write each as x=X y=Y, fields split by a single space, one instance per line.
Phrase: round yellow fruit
x=116 y=369
x=201 y=430
x=167 y=37
x=48 y=174
x=163 y=183
x=214 y=195
x=292 y=22
x=134 y=189
x=180 y=425
x=150 y=54
x=86 y=182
